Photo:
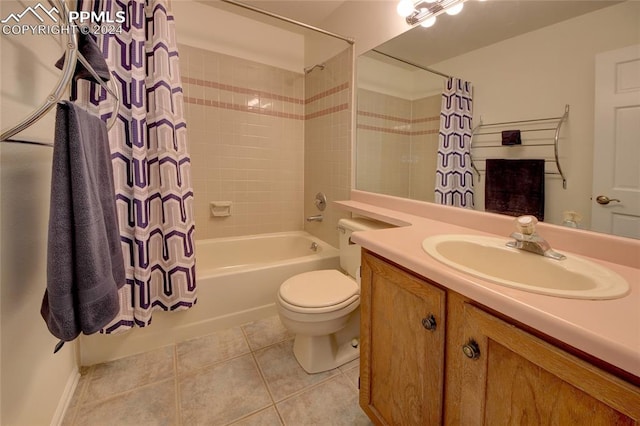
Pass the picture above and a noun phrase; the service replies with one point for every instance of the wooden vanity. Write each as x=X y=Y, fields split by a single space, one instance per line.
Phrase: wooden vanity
x=431 y=356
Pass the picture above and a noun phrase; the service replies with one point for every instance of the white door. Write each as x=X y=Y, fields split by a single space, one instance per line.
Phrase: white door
x=616 y=151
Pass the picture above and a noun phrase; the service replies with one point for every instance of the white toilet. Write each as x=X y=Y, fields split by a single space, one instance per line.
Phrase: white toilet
x=322 y=308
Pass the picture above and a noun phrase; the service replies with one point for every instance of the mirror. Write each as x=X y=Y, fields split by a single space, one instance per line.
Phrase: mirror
x=525 y=59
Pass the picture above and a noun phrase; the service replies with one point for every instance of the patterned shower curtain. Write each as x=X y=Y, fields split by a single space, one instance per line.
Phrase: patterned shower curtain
x=151 y=163
x=454 y=176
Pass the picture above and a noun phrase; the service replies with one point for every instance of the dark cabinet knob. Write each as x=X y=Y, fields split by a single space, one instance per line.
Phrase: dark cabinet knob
x=471 y=349
x=429 y=322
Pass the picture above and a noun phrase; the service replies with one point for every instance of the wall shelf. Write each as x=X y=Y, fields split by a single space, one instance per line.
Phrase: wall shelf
x=552 y=124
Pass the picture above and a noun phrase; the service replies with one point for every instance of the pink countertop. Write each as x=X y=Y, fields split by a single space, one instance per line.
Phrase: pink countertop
x=607 y=329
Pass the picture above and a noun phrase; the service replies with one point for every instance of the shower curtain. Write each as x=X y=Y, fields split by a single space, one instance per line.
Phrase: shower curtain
x=151 y=163
x=454 y=176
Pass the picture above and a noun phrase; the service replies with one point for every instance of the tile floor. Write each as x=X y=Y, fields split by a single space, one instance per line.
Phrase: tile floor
x=241 y=376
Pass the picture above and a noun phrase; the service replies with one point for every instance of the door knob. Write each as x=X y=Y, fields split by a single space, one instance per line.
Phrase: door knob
x=604 y=200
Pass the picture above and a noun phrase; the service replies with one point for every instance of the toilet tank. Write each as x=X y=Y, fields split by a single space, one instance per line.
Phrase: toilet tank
x=350 y=253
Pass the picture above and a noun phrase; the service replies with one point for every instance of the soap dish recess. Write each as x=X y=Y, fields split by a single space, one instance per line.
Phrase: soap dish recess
x=220 y=208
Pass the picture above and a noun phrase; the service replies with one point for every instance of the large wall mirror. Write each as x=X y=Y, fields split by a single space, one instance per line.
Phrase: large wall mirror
x=526 y=60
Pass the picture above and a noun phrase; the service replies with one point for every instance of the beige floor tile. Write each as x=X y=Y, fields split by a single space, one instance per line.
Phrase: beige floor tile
x=108 y=379
x=267 y=417
x=283 y=374
x=76 y=399
x=149 y=405
x=219 y=383
x=350 y=365
x=352 y=371
x=222 y=393
x=333 y=402
x=216 y=347
x=353 y=375
x=266 y=332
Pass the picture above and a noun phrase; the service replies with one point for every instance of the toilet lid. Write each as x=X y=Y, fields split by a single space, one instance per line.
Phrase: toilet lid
x=317 y=289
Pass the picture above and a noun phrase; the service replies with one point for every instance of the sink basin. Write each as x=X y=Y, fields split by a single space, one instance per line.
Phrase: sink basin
x=490 y=259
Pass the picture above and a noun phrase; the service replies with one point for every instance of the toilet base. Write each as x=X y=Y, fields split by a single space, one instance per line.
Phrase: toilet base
x=316 y=354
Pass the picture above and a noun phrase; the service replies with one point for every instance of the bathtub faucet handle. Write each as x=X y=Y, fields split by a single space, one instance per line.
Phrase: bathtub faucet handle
x=314 y=246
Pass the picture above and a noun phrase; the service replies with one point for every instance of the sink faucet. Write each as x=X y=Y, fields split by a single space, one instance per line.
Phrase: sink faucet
x=527 y=239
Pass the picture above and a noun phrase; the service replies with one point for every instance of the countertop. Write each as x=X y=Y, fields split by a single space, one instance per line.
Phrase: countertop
x=606 y=329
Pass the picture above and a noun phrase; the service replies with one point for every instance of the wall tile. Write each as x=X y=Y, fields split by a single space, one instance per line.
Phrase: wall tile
x=244 y=148
x=397 y=144
x=327 y=153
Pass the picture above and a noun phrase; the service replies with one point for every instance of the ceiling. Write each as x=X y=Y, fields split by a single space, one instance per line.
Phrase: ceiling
x=481 y=23
x=310 y=12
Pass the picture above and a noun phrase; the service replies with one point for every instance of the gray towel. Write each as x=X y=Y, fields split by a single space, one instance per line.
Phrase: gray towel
x=88 y=48
x=85 y=267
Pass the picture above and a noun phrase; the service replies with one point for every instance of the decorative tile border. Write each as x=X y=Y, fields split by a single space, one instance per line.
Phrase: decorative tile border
x=326 y=111
x=242 y=90
x=425 y=132
x=328 y=92
x=399 y=119
x=397 y=131
x=242 y=108
x=264 y=95
x=384 y=129
x=384 y=116
x=426 y=119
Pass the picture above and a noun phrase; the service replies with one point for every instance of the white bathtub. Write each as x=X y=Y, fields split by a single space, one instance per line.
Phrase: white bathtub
x=239 y=277
x=237 y=282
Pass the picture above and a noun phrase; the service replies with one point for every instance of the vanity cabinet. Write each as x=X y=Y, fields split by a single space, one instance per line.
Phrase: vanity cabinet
x=494 y=372
x=402 y=346
x=508 y=376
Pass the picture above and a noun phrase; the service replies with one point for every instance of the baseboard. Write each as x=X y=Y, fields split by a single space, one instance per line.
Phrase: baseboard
x=165 y=330
x=65 y=399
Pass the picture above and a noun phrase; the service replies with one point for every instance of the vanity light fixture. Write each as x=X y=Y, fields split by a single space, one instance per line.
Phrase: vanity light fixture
x=424 y=12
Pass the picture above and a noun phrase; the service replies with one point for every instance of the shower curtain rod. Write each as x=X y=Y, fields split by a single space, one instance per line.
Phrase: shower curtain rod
x=289 y=20
x=422 y=67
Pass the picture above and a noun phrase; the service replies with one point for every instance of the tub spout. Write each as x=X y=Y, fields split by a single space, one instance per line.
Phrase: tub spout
x=315 y=218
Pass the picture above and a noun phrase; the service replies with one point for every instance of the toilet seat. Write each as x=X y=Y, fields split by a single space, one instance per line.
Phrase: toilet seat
x=318 y=291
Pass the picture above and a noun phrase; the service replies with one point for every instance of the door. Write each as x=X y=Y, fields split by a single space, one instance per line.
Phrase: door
x=616 y=151
x=513 y=378
x=402 y=346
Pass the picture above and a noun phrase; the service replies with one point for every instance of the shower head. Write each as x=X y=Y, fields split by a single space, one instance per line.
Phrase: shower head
x=309 y=69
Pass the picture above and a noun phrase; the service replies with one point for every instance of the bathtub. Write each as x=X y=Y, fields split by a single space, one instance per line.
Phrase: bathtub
x=237 y=282
x=238 y=278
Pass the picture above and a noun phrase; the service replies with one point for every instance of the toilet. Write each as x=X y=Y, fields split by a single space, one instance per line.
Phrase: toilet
x=322 y=308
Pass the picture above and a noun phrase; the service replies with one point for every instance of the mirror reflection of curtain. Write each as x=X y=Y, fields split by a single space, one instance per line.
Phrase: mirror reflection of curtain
x=454 y=176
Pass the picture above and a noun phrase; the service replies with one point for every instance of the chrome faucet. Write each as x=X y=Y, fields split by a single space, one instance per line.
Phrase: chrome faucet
x=527 y=239
x=315 y=218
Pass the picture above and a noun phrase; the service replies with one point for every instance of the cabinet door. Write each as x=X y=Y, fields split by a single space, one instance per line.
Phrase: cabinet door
x=518 y=379
x=401 y=359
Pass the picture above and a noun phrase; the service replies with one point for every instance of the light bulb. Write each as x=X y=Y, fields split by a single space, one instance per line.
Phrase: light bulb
x=455 y=9
x=428 y=22
x=405 y=8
